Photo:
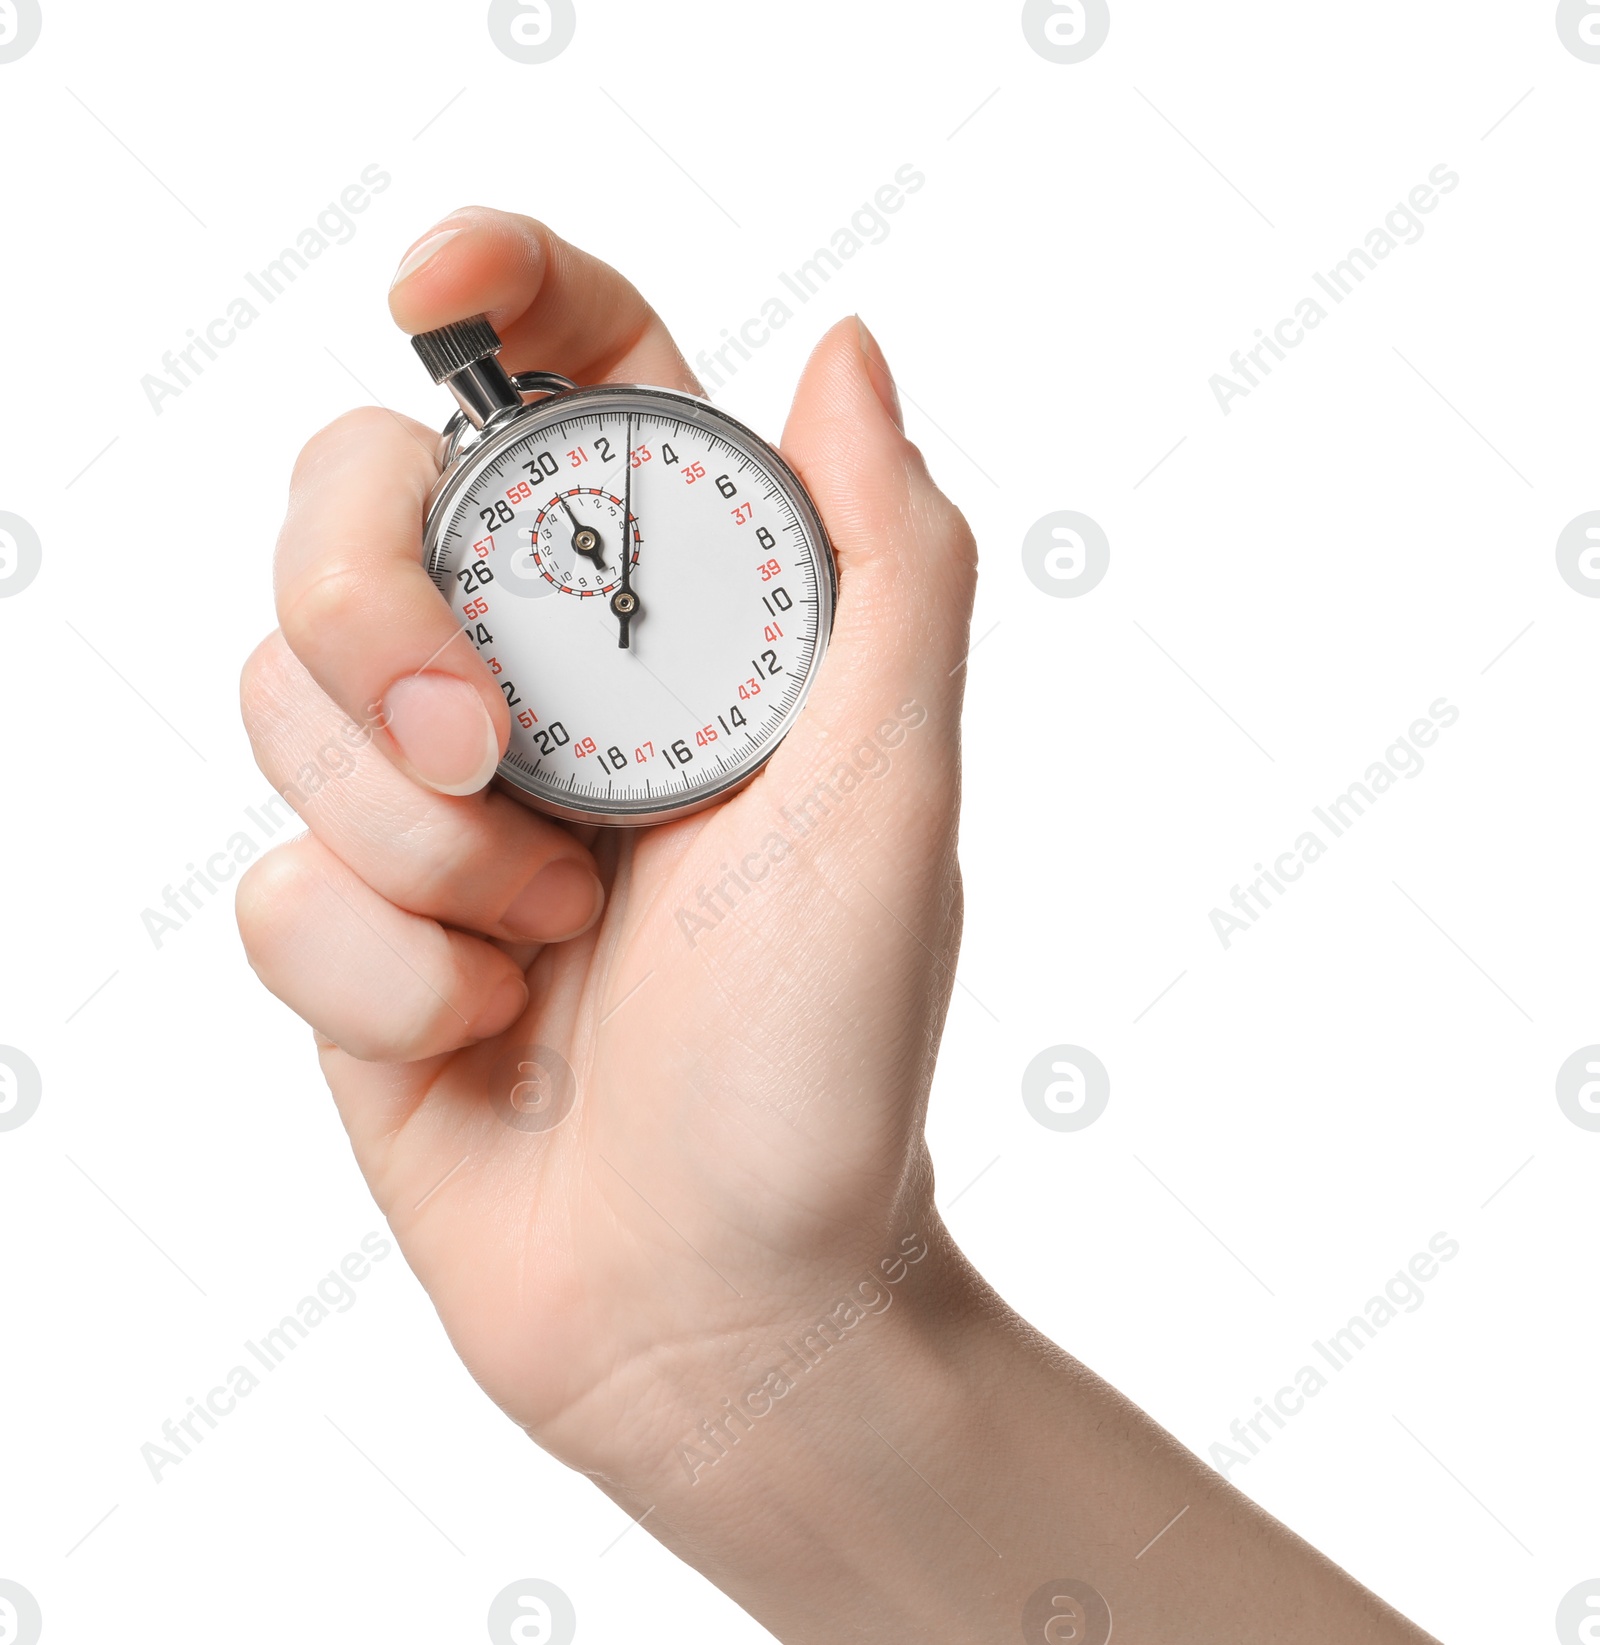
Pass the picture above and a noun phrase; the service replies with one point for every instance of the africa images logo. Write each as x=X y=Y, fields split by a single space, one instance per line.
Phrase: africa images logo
x=1578 y=555
x=20 y=23
x=20 y=1620
x=532 y=31
x=530 y=1612
x=1067 y=1611
x=20 y=1090
x=1403 y=1293
x=1066 y=31
x=1402 y=759
x=1403 y=226
x=20 y=553
x=1578 y=24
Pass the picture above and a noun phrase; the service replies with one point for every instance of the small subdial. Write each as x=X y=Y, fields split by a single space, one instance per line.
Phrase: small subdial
x=577 y=542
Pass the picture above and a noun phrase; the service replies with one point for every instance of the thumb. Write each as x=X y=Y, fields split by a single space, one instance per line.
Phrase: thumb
x=907 y=561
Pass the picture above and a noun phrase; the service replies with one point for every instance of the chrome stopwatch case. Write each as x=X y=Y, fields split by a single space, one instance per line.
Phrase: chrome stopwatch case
x=646 y=580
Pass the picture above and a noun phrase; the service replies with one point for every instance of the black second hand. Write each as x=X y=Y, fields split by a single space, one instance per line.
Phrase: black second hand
x=625 y=603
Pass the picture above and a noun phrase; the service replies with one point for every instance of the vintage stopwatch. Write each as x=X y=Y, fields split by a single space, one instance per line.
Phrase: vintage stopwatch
x=645 y=578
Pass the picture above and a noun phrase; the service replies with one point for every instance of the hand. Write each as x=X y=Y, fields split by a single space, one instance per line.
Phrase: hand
x=749 y=1002
x=751 y=1065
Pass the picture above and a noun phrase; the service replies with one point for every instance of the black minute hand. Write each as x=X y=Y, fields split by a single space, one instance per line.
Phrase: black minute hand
x=625 y=603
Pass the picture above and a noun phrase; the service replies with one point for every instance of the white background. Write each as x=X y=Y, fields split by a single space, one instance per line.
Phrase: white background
x=1288 y=591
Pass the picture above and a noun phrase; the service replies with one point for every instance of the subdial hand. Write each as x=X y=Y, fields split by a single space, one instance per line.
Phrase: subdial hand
x=585 y=539
x=625 y=603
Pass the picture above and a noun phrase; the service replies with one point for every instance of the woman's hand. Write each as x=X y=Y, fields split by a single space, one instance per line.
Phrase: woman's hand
x=645 y=1109
x=751 y=1005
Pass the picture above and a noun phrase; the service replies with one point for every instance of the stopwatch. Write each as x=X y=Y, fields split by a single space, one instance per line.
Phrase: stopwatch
x=646 y=580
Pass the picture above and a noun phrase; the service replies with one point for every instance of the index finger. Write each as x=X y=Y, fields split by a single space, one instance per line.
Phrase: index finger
x=555 y=307
x=354 y=602
x=363 y=616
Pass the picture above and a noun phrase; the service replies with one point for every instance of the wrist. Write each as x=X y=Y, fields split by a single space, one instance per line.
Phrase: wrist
x=813 y=1437
x=937 y=1473
x=860 y=1332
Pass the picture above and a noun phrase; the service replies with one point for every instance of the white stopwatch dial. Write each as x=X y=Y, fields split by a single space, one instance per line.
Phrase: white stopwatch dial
x=649 y=585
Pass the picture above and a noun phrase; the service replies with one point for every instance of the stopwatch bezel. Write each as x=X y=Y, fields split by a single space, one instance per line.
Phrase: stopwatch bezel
x=469 y=462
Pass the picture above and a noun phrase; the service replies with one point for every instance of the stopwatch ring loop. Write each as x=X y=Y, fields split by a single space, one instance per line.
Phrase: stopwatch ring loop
x=526 y=383
x=542 y=382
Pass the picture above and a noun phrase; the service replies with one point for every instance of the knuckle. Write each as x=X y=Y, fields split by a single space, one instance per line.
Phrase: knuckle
x=368 y=1044
x=962 y=541
x=950 y=529
x=328 y=603
x=330 y=443
x=952 y=547
x=444 y=861
x=417 y=1039
x=420 y=1019
x=271 y=899
x=262 y=681
x=963 y=544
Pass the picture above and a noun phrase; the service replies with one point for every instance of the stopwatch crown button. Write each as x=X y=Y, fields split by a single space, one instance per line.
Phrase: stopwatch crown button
x=462 y=356
x=453 y=348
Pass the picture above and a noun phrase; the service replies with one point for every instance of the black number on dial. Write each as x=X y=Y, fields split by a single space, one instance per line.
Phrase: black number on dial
x=552 y=737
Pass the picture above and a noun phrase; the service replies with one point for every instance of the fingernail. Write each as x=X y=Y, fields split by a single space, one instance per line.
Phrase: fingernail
x=560 y=902
x=443 y=731
x=882 y=378
x=505 y=1005
x=423 y=252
